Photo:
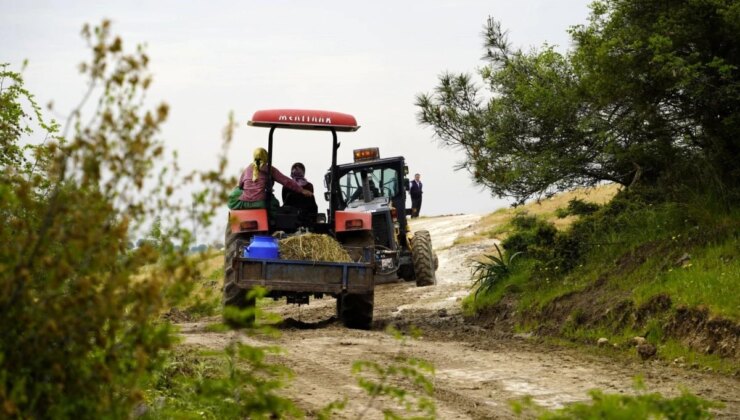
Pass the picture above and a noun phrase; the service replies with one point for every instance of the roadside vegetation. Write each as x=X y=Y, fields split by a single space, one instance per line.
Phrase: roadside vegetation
x=662 y=271
x=647 y=101
x=643 y=405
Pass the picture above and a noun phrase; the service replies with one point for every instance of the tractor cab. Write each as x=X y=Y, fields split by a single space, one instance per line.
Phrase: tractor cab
x=377 y=186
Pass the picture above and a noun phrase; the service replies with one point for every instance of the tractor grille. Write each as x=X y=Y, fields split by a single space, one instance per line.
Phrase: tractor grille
x=382 y=230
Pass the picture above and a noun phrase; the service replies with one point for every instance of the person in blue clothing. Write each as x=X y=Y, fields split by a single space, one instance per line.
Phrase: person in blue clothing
x=415 y=190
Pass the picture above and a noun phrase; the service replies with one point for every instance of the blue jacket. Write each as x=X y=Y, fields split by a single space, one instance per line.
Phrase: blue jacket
x=415 y=188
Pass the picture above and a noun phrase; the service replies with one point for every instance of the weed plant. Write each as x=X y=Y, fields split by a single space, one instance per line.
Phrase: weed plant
x=491 y=271
x=644 y=405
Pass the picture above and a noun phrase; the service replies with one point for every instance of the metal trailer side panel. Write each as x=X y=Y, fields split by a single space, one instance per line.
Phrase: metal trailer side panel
x=305 y=276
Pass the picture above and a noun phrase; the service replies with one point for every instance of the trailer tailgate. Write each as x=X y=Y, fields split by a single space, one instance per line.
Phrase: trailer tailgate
x=305 y=276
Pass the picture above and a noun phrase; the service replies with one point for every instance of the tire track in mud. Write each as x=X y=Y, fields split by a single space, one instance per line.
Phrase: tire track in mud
x=477 y=373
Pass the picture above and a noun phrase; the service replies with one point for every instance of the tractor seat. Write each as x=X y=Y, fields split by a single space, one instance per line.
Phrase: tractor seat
x=285 y=218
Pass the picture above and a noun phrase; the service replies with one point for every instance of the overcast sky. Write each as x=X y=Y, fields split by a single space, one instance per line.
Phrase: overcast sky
x=368 y=59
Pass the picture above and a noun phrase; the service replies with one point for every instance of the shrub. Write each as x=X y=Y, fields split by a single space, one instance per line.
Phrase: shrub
x=79 y=320
x=524 y=221
x=643 y=405
x=532 y=236
x=577 y=207
x=405 y=382
x=562 y=213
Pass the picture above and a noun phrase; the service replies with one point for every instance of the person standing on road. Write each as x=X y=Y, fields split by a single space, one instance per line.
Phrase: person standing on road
x=415 y=189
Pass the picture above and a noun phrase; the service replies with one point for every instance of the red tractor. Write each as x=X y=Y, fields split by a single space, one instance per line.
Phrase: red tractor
x=366 y=214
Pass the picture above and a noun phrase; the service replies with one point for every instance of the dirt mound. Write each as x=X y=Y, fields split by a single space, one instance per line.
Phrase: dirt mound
x=597 y=307
x=655 y=306
x=696 y=329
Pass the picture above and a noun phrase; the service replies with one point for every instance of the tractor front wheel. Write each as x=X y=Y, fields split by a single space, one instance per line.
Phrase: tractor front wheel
x=424 y=259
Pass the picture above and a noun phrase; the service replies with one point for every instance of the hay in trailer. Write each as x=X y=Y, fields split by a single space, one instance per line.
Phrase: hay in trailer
x=313 y=247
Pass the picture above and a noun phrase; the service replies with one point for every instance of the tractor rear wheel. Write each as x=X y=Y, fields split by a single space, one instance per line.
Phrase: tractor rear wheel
x=234 y=295
x=423 y=257
x=356 y=309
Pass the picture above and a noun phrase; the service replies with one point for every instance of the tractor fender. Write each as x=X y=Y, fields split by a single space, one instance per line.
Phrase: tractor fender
x=254 y=220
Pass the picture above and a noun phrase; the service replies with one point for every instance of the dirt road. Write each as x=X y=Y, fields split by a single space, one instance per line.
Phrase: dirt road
x=477 y=373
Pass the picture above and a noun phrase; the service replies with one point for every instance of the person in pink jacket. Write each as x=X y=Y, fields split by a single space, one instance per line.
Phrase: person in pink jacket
x=252 y=184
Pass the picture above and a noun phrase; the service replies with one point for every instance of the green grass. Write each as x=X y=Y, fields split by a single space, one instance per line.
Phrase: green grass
x=618 y=406
x=672 y=350
x=532 y=293
x=650 y=244
x=521 y=272
x=639 y=251
x=236 y=383
x=709 y=278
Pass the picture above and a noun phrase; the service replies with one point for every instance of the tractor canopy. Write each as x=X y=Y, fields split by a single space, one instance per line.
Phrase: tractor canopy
x=304 y=119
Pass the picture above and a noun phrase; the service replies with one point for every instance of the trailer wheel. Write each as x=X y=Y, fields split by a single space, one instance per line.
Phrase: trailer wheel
x=234 y=295
x=356 y=310
x=423 y=258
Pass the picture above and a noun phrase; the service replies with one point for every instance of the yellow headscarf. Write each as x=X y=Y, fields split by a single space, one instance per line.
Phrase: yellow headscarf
x=260 y=159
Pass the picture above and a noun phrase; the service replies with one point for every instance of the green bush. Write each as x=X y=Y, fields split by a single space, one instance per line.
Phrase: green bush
x=523 y=221
x=561 y=213
x=643 y=405
x=80 y=311
x=406 y=383
x=532 y=236
x=577 y=207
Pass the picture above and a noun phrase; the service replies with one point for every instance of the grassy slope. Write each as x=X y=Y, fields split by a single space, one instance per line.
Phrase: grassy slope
x=496 y=225
x=689 y=254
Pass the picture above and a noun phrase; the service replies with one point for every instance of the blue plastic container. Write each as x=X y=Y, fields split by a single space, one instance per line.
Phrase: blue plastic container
x=262 y=247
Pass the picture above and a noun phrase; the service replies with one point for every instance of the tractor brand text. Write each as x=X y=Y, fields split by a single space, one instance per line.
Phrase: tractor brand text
x=305 y=119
